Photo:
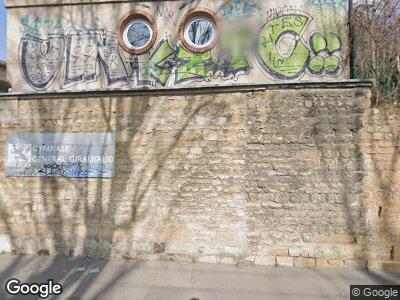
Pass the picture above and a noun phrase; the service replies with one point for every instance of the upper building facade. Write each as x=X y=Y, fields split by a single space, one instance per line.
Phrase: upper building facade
x=73 y=45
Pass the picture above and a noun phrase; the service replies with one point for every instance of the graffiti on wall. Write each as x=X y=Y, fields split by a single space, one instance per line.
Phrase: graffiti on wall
x=284 y=49
x=41 y=60
x=328 y=4
x=239 y=8
x=166 y=13
x=39 y=27
x=284 y=54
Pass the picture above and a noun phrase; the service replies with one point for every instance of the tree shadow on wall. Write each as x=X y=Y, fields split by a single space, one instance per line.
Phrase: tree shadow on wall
x=365 y=162
x=341 y=158
x=381 y=143
x=93 y=226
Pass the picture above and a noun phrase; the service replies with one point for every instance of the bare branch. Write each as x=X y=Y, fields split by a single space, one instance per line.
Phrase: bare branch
x=377 y=50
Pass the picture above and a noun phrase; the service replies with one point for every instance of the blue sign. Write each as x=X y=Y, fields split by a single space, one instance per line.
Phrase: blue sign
x=82 y=155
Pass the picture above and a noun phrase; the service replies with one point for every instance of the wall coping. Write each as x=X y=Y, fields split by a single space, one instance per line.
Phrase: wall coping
x=32 y=3
x=243 y=88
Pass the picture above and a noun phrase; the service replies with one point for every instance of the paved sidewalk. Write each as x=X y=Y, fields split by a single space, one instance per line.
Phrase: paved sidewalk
x=107 y=279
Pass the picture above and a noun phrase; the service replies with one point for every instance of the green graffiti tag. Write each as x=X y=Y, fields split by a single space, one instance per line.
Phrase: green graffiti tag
x=192 y=66
x=234 y=44
x=333 y=43
x=159 y=65
x=238 y=63
x=281 y=51
x=318 y=42
x=323 y=48
x=316 y=65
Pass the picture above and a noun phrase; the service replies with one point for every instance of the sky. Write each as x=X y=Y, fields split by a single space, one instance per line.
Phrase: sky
x=3 y=31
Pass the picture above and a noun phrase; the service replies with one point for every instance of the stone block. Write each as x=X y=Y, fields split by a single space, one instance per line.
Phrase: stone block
x=284 y=261
x=278 y=251
x=392 y=267
x=5 y=243
x=228 y=261
x=355 y=263
x=304 y=262
x=265 y=261
x=336 y=263
x=294 y=252
x=395 y=253
x=321 y=263
x=211 y=259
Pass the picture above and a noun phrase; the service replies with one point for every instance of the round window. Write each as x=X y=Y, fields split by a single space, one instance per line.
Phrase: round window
x=137 y=32
x=199 y=30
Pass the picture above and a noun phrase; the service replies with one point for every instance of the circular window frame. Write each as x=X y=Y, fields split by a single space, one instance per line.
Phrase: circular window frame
x=190 y=17
x=125 y=34
x=129 y=18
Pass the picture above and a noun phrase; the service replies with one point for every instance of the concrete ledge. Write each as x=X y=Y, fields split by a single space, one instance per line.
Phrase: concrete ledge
x=347 y=84
x=30 y=3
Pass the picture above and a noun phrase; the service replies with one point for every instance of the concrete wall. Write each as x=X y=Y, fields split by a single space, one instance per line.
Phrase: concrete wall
x=75 y=47
x=300 y=175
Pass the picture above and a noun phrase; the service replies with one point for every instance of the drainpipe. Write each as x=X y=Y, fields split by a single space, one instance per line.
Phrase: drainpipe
x=351 y=41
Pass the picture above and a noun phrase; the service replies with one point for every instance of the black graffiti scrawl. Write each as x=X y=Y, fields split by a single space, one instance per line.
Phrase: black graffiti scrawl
x=82 y=55
x=84 y=49
x=41 y=60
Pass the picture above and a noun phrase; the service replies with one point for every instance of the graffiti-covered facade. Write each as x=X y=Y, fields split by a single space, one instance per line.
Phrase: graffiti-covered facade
x=81 y=47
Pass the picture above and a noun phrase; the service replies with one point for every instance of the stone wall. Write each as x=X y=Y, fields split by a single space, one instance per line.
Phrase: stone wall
x=380 y=146
x=298 y=175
